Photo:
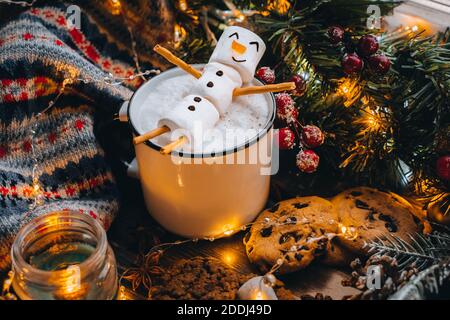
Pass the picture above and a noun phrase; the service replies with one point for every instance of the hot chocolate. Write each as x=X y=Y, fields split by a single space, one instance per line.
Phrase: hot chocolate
x=245 y=118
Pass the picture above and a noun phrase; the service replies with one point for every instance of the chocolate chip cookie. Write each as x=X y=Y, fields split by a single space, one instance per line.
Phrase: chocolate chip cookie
x=294 y=231
x=369 y=213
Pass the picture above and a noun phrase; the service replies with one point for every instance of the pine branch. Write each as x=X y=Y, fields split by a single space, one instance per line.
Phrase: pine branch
x=421 y=251
x=382 y=130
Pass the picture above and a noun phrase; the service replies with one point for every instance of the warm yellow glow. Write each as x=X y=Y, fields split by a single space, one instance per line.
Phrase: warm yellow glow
x=229 y=257
x=115 y=7
x=413 y=24
x=280 y=6
x=122 y=294
x=51 y=221
x=350 y=90
x=7 y=283
x=259 y=296
x=72 y=280
x=179 y=34
x=68 y=284
x=365 y=100
x=425 y=187
x=228 y=233
x=182 y=4
x=228 y=230
x=36 y=188
x=372 y=120
x=348 y=233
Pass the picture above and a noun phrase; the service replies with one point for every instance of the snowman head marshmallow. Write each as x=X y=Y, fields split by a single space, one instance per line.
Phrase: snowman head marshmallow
x=240 y=49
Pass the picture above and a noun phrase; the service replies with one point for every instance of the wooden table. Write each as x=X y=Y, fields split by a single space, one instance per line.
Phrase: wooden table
x=231 y=251
x=133 y=233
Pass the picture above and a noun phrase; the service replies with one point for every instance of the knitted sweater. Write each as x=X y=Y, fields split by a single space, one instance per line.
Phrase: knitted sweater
x=37 y=52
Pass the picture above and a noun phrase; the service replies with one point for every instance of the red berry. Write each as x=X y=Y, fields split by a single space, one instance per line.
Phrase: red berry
x=307 y=161
x=286 y=139
x=266 y=74
x=336 y=34
x=286 y=110
x=443 y=167
x=352 y=63
x=312 y=136
x=300 y=85
x=368 y=45
x=380 y=63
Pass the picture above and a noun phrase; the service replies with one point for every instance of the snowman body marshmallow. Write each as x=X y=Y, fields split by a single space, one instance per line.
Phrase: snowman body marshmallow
x=232 y=64
x=190 y=118
x=217 y=84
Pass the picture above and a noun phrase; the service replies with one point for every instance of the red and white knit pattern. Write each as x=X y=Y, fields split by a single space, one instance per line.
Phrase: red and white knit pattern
x=37 y=52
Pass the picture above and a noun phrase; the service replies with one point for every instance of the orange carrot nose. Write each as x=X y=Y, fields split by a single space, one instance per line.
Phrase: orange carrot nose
x=238 y=47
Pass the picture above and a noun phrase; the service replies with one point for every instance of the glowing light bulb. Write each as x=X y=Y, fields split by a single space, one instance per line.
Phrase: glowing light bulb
x=115 y=6
x=228 y=230
x=229 y=258
x=348 y=233
x=182 y=4
x=259 y=296
x=122 y=294
x=36 y=187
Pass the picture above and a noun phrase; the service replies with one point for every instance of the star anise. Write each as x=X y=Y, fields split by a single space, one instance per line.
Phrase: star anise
x=147 y=268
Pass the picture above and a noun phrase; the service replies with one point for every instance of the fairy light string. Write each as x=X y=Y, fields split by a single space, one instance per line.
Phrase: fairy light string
x=19 y=3
x=269 y=278
x=112 y=80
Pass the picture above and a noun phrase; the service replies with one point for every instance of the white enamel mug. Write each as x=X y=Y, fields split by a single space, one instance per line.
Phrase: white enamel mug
x=212 y=195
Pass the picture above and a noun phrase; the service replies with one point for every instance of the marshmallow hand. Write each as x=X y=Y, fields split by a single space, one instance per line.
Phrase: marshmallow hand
x=217 y=84
x=190 y=118
x=240 y=49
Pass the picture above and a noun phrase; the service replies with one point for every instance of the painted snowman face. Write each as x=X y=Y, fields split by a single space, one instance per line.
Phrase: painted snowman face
x=240 y=49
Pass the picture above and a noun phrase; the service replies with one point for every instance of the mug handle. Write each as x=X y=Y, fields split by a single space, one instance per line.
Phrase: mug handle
x=132 y=167
x=123 y=112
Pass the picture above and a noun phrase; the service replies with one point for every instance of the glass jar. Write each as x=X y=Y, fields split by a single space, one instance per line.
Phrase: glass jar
x=63 y=256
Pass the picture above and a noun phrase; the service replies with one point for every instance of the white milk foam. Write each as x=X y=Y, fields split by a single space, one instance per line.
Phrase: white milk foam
x=246 y=113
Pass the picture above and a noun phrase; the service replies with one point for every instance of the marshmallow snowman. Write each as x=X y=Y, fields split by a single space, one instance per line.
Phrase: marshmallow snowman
x=232 y=64
x=240 y=49
x=193 y=114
